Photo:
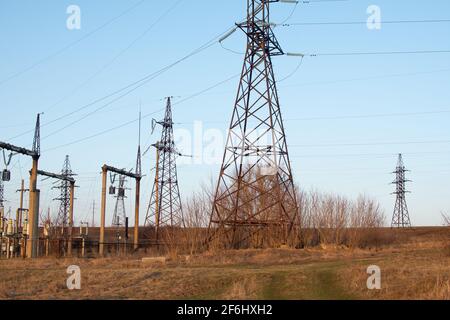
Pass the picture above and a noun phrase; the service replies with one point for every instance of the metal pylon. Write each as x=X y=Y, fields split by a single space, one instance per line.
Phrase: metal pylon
x=400 y=218
x=255 y=202
x=62 y=220
x=165 y=208
x=120 y=216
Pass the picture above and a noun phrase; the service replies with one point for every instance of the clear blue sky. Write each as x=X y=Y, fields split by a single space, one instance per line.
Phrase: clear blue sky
x=348 y=155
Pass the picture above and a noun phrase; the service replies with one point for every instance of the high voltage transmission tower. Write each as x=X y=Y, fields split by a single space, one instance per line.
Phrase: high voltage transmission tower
x=400 y=218
x=164 y=209
x=255 y=202
x=62 y=219
x=120 y=215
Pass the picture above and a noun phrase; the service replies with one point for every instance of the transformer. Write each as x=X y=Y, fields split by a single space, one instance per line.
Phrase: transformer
x=6 y=175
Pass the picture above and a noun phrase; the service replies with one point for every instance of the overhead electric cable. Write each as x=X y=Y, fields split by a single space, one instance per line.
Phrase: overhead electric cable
x=130 y=87
x=72 y=44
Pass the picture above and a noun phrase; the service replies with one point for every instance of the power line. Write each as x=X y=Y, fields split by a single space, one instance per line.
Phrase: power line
x=143 y=117
x=71 y=45
x=333 y=23
x=369 y=144
x=369 y=155
x=379 y=115
x=130 y=87
x=103 y=132
x=287 y=119
x=377 y=53
x=367 y=78
x=318 y=1
x=123 y=51
x=206 y=90
x=287 y=86
x=409 y=74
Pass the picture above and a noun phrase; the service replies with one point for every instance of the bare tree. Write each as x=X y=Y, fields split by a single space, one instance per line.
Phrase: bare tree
x=333 y=219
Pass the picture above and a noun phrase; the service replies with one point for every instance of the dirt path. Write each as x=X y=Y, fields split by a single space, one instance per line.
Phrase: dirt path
x=314 y=281
x=290 y=275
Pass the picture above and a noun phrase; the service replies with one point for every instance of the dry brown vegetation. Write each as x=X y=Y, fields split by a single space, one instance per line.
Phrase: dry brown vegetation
x=322 y=219
x=331 y=219
x=415 y=266
x=338 y=239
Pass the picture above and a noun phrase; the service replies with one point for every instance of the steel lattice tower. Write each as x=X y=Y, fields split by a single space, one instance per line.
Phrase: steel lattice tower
x=255 y=191
x=165 y=209
x=120 y=216
x=62 y=219
x=400 y=218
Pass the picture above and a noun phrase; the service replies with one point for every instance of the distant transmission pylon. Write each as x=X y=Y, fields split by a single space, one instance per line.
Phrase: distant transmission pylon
x=165 y=209
x=255 y=202
x=62 y=220
x=400 y=218
x=119 y=216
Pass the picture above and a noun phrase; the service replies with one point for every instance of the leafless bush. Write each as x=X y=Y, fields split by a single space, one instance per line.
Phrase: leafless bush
x=332 y=219
x=322 y=219
x=197 y=212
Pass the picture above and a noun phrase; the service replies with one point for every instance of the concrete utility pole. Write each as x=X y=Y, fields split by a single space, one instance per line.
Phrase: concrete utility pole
x=103 y=211
x=136 y=214
x=33 y=211
x=2 y=200
x=137 y=177
x=33 y=215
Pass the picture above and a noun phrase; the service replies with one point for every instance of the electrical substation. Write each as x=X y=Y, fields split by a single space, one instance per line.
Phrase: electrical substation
x=254 y=204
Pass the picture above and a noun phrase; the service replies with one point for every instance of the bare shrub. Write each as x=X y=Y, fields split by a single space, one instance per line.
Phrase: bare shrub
x=321 y=219
x=196 y=216
x=332 y=219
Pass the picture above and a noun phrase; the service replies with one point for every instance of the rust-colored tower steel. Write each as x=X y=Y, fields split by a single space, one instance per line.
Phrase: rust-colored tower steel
x=165 y=209
x=400 y=218
x=255 y=202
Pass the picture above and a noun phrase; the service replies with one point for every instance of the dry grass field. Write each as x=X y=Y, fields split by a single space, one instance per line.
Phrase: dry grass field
x=415 y=266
